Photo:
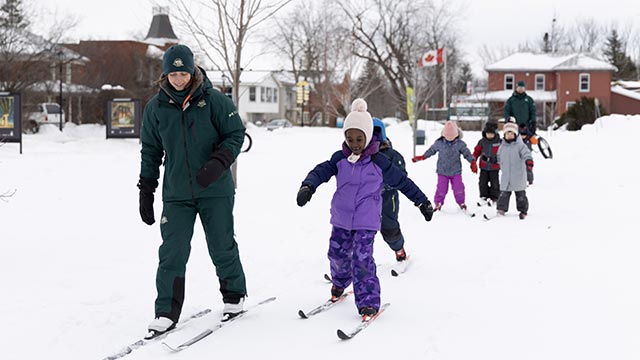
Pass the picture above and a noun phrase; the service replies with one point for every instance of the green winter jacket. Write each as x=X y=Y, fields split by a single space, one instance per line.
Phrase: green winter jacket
x=186 y=136
x=523 y=108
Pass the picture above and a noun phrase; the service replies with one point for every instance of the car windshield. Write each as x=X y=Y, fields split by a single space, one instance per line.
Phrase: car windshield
x=53 y=108
x=276 y=122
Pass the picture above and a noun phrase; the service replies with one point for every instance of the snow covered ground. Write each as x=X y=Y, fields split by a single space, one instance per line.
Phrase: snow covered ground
x=78 y=265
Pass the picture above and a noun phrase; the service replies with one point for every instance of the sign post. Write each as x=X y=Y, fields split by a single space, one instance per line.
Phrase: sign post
x=10 y=118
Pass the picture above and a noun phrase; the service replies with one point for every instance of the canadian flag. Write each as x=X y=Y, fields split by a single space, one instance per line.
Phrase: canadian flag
x=431 y=58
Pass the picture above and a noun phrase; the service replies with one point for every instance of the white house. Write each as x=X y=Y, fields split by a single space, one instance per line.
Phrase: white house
x=263 y=95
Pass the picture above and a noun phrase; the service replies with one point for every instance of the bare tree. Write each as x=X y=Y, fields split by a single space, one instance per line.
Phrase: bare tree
x=394 y=33
x=585 y=36
x=222 y=29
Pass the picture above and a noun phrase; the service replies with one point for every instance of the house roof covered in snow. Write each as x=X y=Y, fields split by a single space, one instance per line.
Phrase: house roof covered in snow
x=504 y=95
x=626 y=92
x=526 y=61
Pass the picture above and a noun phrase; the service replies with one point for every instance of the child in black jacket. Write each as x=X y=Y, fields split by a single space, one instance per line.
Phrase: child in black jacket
x=486 y=150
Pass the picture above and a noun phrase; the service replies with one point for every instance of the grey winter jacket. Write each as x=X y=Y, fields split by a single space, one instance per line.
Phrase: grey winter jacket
x=449 y=158
x=512 y=157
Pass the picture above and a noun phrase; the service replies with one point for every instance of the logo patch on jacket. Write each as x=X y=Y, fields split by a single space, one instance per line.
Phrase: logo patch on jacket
x=233 y=113
x=202 y=103
x=178 y=62
x=164 y=220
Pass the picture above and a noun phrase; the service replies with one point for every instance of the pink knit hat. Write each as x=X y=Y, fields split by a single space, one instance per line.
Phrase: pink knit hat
x=450 y=130
x=510 y=126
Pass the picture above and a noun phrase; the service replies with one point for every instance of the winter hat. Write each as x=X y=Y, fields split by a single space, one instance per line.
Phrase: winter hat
x=378 y=125
x=490 y=127
x=520 y=83
x=450 y=130
x=510 y=126
x=178 y=58
x=359 y=119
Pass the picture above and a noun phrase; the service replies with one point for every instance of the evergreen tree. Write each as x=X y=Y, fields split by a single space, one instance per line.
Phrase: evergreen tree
x=465 y=76
x=614 y=52
x=12 y=15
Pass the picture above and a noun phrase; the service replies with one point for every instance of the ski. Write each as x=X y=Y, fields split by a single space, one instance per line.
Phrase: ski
x=142 y=342
x=327 y=277
x=468 y=213
x=353 y=332
x=401 y=267
x=324 y=307
x=217 y=327
x=490 y=217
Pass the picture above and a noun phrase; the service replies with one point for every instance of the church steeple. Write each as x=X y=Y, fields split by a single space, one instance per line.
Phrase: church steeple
x=161 y=31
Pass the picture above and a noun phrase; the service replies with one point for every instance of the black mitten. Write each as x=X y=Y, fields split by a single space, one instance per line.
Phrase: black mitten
x=304 y=195
x=147 y=188
x=426 y=209
x=213 y=169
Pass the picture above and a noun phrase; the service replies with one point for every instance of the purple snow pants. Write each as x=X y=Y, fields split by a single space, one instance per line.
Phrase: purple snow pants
x=351 y=258
x=443 y=187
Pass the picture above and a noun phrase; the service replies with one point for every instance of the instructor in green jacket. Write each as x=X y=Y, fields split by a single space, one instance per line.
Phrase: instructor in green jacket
x=196 y=133
x=522 y=107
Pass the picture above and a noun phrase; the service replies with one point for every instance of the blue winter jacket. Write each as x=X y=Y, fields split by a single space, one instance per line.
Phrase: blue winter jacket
x=449 y=158
x=357 y=202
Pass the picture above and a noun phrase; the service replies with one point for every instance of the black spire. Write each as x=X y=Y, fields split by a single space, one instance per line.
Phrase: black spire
x=161 y=25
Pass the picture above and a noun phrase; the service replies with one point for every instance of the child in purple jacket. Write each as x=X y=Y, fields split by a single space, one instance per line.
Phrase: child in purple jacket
x=357 y=205
x=449 y=168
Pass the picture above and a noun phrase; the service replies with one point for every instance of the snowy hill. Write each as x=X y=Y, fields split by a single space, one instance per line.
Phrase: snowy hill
x=79 y=265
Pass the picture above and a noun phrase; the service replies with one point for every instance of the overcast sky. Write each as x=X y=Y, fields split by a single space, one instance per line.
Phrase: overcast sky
x=492 y=22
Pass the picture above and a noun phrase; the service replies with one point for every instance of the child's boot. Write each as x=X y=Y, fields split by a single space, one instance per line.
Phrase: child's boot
x=336 y=292
x=401 y=255
x=522 y=215
x=367 y=313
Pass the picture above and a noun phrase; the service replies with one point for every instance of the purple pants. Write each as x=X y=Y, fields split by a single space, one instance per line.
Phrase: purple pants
x=351 y=259
x=443 y=187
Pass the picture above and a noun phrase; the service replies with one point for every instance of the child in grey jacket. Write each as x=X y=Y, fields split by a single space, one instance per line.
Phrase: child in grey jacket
x=515 y=159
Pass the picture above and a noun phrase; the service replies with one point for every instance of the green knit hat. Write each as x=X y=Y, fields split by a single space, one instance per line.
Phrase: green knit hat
x=178 y=58
x=520 y=83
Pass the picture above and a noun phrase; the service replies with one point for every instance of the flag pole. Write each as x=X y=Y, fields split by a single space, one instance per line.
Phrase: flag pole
x=444 y=90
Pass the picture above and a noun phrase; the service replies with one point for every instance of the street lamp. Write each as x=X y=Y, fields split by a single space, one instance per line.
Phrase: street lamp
x=60 y=55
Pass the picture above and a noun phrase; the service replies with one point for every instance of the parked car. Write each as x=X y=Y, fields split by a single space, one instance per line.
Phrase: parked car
x=278 y=124
x=44 y=113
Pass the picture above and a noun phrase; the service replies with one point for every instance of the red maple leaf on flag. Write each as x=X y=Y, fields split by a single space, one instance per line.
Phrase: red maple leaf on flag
x=429 y=58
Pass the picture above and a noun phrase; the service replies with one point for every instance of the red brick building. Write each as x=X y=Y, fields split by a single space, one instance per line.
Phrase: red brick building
x=554 y=82
x=625 y=97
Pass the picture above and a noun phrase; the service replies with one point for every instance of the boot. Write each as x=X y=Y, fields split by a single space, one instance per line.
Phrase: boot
x=401 y=255
x=367 y=313
x=336 y=292
x=160 y=325
x=232 y=310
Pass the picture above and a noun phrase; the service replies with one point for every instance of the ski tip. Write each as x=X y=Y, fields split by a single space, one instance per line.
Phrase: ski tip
x=394 y=273
x=327 y=277
x=170 y=348
x=342 y=335
x=302 y=314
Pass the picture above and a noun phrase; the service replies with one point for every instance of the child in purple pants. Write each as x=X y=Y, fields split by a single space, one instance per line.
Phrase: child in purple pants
x=357 y=205
x=449 y=168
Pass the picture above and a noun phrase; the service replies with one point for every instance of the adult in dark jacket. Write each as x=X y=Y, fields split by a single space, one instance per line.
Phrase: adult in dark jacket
x=196 y=132
x=522 y=107
x=390 y=227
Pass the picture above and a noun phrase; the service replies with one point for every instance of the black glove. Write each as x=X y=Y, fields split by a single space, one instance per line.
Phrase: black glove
x=304 y=195
x=147 y=188
x=219 y=162
x=426 y=209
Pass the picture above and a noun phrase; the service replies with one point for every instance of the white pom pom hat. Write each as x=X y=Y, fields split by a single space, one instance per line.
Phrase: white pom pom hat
x=360 y=119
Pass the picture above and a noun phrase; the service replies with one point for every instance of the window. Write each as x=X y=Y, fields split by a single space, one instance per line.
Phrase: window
x=252 y=93
x=570 y=104
x=263 y=94
x=275 y=95
x=508 y=82
x=585 y=80
x=269 y=95
x=540 y=82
